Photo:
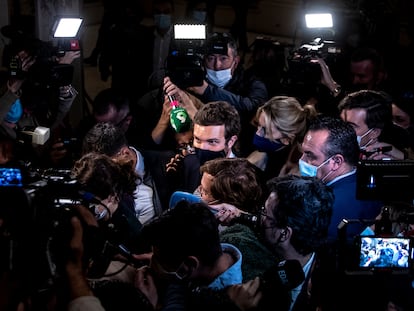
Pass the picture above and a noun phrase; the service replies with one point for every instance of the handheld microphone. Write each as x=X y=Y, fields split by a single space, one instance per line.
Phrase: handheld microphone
x=286 y=274
x=277 y=282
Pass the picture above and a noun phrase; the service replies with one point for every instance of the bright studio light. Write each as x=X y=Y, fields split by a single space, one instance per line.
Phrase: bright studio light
x=67 y=27
x=319 y=20
x=182 y=31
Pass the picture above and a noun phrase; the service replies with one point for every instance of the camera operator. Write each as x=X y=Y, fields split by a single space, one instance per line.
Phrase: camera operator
x=295 y=225
x=39 y=89
x=366 y=71
x=80 y=294
x=226 y=81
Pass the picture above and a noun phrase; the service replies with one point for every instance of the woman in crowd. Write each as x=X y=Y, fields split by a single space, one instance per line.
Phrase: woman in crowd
x=281 y=124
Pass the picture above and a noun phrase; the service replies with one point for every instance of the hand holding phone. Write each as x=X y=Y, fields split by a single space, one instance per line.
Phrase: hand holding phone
x=382 y=149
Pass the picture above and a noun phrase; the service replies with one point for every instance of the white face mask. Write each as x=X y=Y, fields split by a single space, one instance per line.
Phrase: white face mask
x=310 y=170
x=359 y=139
x=219 y=77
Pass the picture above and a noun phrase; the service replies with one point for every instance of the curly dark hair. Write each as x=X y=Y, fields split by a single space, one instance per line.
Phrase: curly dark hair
x=100 y=175
x=236 y=181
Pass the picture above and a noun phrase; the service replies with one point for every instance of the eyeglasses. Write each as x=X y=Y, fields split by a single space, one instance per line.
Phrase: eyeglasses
x=202 y=191
x=156 y=265
x=264 y=216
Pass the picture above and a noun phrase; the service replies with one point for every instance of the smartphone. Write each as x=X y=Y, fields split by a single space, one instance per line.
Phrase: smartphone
x=10 y=177
x=379 y=149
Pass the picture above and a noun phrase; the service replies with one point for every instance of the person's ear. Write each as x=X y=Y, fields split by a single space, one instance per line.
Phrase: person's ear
x=286 y=234
x=338 y=160
x=285 y=141
x=236 y=61
x=232 y=141
x=188 y=267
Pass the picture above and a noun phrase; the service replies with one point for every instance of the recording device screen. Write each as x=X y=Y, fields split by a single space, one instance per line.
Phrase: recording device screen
x=385 y=253
x=10 y=177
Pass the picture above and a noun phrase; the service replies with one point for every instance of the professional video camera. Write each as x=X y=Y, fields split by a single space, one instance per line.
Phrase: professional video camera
x=184 y=63
x=45 y=72
x=37 y=205
x=382 y=250
x=301 y=70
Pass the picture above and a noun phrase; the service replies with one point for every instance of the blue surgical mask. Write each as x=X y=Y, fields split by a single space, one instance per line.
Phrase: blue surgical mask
x=310 y=170
x=266 y=145
x=15 y=112
x=199 y=16
x=219 y=77
x=162 y=21
x=205 y=155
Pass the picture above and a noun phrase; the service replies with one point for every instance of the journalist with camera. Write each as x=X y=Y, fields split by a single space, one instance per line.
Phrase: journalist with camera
x=224 y=79
x=37 y=90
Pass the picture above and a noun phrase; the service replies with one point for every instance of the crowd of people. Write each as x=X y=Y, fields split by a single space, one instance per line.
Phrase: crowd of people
x=240 y=210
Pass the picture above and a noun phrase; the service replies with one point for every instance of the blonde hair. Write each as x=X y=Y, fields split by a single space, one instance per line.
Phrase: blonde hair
x=287 y=115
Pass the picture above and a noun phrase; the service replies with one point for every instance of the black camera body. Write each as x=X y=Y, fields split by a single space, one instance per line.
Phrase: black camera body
x=45 y=71
x=185 y=60
x=301 y=69
x=37 y=206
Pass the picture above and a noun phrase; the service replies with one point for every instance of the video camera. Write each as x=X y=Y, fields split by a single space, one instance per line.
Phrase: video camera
x=301 y=70
x=37 y=205
x=184 y=63
x=45 y=72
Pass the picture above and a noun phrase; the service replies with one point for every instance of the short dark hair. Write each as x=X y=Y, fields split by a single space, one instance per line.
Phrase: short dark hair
x=105 y=138
x=371 y=54
x=107 y=98
x=188 y=229
x=376 y=104
x=305 y=204
x=219 y=113
x=342 y=138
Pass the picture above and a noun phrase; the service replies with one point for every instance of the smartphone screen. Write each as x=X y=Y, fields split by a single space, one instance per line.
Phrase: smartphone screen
x=10 y=177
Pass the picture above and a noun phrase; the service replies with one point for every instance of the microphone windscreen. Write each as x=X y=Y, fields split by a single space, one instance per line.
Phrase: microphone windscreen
x=287 y=273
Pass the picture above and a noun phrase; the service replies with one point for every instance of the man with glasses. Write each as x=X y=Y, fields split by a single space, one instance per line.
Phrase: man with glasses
x=295 y=223
x=330 y=153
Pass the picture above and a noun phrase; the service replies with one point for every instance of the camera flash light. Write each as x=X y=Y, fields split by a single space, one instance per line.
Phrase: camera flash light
x=186 y=31
x=320 y=20
x=67 y=27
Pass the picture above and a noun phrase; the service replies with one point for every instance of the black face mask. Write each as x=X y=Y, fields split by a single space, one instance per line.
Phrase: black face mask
x=206 y=155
